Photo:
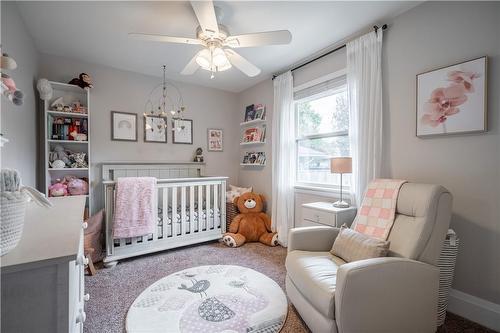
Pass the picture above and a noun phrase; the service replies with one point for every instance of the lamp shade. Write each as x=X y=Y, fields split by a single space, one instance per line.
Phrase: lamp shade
x=341 y=165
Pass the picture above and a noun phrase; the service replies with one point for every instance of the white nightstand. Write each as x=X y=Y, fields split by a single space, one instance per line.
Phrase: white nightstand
x=324 y=214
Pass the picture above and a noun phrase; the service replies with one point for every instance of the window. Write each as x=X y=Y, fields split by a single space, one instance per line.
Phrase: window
x=322 y=132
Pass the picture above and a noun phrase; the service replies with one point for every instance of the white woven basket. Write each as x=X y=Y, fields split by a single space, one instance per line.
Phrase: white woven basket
x=446 y=264
x=13 y=210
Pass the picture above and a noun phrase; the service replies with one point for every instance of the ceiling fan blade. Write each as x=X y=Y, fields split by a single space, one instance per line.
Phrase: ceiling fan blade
x=242 y=64
x=205 y=13
x=259 y=39
x=165 y=39
x=191 y=67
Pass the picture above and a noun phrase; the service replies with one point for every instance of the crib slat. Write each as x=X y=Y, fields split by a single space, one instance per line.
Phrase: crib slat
x=155 y=214
x=200 y=208
x=206 y=225
x=216 y=206
x=164 y=209
x=183 y=211
x=191 y=209
x=175 y=225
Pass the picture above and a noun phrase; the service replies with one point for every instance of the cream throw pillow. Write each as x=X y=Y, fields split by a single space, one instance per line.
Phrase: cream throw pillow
x=235 y=191
x=351 y=246
x=240 y=190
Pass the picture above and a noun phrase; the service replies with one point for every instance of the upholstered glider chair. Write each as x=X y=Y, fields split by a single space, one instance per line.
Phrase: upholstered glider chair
x=394 y=294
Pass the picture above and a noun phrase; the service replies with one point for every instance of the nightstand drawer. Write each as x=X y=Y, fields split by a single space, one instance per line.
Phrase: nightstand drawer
x=318 y=216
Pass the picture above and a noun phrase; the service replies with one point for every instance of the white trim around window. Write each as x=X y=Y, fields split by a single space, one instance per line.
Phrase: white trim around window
x=321 y=79
x=331 y=83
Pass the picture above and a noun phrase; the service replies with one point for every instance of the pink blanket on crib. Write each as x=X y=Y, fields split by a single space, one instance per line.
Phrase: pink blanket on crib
x=133 y=214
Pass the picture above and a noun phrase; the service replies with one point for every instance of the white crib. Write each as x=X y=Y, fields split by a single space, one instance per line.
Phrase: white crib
x=191 y=208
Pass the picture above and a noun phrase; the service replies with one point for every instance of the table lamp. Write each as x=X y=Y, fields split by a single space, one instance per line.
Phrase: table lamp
x=341 y=165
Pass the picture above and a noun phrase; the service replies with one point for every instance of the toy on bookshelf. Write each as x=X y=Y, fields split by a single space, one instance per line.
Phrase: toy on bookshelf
x=69 y=185
x=73 y=107
x=61 y=157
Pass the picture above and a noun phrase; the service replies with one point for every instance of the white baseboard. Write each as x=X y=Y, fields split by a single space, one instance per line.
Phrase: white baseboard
x=475 y=309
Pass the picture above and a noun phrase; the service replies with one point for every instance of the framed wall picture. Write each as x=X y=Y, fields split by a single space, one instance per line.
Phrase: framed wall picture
x=215 y=139
x=123 y=126
x=155 y=129
x=182 y=131
x=452 y=99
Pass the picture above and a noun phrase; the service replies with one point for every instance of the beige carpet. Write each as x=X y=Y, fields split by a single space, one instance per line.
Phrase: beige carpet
x=113 y=290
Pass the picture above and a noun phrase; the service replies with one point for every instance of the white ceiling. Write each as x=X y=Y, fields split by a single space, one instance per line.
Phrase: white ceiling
x=96 y=32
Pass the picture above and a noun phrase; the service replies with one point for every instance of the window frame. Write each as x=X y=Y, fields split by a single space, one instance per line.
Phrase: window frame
x=316 y=187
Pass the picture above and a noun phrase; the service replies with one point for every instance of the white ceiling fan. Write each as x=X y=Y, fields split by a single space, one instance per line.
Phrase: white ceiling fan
x=217 y=54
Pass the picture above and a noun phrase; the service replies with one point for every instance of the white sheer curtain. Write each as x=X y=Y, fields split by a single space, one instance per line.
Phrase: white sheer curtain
x=364 y=82
x=283 y=158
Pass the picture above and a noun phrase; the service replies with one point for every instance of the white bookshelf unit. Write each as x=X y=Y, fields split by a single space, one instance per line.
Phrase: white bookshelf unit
x=253 y=135
x=53 y=136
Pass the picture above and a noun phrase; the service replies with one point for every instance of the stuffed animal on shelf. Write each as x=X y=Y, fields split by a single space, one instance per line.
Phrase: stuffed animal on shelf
x=58 y=189
x=78 y=160
x=251 y=225
x=59 y=153
x=198 y=156
x=84 y=81
x=77 y=186
x=57 y=164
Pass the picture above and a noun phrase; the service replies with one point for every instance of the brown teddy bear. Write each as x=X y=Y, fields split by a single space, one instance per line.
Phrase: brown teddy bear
x=251 y=225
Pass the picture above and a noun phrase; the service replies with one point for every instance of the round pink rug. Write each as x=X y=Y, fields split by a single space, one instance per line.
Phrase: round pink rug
x=209 y=299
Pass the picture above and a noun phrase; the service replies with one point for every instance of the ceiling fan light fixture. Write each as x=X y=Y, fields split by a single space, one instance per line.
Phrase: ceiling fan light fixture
x=219 y=58
x=203 y=59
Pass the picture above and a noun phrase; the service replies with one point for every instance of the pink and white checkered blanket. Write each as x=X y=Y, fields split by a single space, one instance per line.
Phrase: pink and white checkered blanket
x=378 y=210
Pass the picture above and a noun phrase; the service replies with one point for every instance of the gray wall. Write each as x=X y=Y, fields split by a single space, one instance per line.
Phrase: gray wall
x=258 y=177
x=261 y=178
x=18 y=123
x=119 y=90
x=429 y=36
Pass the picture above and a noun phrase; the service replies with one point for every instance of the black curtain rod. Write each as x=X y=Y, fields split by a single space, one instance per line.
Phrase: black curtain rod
x=327 y=53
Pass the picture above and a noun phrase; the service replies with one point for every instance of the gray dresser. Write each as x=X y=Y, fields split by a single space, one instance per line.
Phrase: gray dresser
x=43 y=277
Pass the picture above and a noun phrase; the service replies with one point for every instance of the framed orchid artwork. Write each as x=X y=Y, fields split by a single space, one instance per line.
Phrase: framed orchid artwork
x=452 y=100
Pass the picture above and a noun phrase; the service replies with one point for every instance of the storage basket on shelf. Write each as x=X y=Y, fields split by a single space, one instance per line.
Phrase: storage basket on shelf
x=231 y=212
x=13 y=201
x=446 y=264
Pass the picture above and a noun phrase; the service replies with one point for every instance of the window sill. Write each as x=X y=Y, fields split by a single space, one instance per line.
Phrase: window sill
x=333 y=192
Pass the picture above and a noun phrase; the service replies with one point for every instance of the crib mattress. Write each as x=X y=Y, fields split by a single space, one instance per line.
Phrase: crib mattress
x=178 y=217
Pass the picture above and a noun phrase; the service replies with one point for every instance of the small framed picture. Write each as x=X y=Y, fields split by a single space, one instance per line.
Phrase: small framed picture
x=182 y=131
x=215 y=139
x=123 y=126
x=452 y=99
x=155 y=129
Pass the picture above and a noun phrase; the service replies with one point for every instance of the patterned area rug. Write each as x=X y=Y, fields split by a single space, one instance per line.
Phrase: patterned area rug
x=215 y=298
x=112 y=291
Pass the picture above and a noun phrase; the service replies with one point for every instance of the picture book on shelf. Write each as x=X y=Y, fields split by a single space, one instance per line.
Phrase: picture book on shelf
x=256 y=158
x=249 y=113
x=68 y=129
x=255 y=112
x=260 y=112
x=254 y=134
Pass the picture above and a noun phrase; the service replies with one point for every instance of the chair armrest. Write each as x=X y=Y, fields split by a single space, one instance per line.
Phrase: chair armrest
x=389 y=294
x=312 y=238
